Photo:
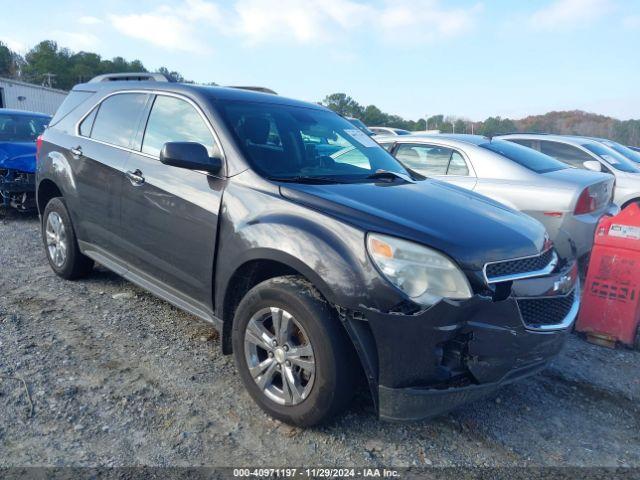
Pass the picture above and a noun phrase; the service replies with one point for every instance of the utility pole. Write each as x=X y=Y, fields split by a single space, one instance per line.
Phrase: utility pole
x=47 y=79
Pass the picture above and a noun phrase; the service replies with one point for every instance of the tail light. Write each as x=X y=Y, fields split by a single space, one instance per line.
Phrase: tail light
x=587 y=202
x=38 y=146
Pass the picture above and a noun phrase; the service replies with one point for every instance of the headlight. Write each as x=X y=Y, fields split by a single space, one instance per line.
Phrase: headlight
x=423 y=274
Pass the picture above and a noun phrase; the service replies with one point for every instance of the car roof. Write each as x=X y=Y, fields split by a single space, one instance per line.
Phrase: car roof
x=24 y=113
x=447 y=138
x=215 y=93
x=571 y=139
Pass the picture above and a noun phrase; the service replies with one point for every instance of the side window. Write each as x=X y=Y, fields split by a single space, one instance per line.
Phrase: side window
x=175 y=120
x=87 y=123
x=425 y=159
x=352 y=156
x=568 y=154
x=457 y=165
x=387 y=146
x=117 y=119
x=521 y=141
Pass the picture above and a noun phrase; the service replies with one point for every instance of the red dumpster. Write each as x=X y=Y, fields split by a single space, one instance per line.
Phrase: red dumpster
x=610 y=309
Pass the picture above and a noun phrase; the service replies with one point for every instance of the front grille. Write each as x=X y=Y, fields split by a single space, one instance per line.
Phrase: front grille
x=545 y=311
x=519 y=267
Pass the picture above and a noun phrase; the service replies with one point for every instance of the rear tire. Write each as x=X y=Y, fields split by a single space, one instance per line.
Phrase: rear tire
x=60 y=242
x=305 y=375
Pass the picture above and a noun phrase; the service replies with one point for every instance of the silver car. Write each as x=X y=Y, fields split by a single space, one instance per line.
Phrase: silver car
x=628 y=152
x=566 y=201
x=389 y=131
x=587 y=153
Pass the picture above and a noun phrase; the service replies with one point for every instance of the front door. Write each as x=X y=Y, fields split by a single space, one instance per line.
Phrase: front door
x=170 y=214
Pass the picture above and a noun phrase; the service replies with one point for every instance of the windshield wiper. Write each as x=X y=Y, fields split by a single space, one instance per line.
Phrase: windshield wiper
x=380 y=173
x=305 y=179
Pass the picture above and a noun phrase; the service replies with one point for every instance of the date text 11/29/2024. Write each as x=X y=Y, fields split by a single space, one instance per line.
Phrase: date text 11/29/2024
x=318 y=472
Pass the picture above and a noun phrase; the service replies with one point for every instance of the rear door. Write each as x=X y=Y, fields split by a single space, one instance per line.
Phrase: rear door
x=170 y=214
x=436 y=161
x=99 y=153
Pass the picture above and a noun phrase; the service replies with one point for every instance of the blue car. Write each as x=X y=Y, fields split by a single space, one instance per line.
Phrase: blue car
x=18 y=134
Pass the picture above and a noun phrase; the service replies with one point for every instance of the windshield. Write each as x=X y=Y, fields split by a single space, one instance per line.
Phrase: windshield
x=285 y=142
x=527 y=157
x=401 y=132
x=612 y=157
x=626 y=151
x=21 y=128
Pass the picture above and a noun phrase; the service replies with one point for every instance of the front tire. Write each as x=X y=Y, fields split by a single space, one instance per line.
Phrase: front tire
x=293 y=355
x=61 y=244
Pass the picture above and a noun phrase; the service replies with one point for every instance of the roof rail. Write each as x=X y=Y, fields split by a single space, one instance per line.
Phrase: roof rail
x=255 y=89
x=132 y=76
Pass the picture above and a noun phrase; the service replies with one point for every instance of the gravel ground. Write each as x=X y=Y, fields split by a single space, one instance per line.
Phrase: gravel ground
x=119 y=378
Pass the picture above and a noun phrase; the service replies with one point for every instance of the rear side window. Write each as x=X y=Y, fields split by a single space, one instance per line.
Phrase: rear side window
x=527 y=157
x=457 y=166
x=565 y=153
x=87 y=124
x=117 y=119
x=175 y=120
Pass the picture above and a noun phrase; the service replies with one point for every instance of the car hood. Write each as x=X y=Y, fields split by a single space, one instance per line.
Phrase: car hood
x=18 y=156
x=470 y=228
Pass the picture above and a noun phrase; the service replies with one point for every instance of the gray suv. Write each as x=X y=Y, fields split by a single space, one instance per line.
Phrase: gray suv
x=222 y=202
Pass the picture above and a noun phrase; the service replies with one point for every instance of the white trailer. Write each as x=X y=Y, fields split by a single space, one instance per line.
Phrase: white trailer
x=26 y=96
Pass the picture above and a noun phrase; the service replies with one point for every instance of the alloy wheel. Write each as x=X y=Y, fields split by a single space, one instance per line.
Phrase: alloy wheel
x=279 y=356
x=56 y=236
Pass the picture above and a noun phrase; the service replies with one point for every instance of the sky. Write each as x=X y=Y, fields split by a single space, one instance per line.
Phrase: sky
x=414 y=58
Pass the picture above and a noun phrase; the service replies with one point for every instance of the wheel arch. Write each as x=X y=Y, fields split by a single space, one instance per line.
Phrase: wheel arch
x=47 y=189
x=263 y=265
x=629 y=202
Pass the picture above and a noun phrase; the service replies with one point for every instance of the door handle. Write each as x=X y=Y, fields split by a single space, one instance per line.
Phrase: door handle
x=136 y=178
x=76 y=151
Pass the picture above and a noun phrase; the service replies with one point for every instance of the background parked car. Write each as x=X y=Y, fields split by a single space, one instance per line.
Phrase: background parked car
x=389 y=131
x=627 y=152
x=360 y=124
x=585 y=153
x=18 y=133
x=562 y=199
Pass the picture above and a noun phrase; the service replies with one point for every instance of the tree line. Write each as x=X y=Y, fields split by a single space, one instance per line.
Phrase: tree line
x=49 y=65
x=575 y=122
x=53 y=66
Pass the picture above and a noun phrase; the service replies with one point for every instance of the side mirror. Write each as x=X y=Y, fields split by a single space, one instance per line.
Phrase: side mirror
x=189 y=155
x=592 y=165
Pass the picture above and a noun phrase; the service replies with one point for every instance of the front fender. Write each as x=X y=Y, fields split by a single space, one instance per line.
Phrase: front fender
x=262 y=225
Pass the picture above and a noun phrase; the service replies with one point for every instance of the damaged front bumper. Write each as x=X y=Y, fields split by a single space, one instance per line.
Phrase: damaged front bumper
x=17 y=189
x=430 y=362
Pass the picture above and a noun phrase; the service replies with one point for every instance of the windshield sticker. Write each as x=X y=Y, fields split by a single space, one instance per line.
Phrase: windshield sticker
x=610 y=159
x=360 y=137
x=624 y=231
